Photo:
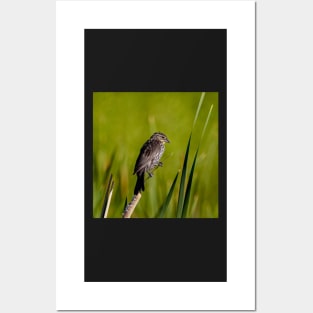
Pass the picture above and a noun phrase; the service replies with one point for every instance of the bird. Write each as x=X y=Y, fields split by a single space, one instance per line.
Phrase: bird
x=149 y=158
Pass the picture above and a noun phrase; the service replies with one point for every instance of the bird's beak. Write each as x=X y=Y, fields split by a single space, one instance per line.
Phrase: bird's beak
x=166 y=140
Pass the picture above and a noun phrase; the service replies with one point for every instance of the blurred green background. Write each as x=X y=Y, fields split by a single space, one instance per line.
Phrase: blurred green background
x=123 y=121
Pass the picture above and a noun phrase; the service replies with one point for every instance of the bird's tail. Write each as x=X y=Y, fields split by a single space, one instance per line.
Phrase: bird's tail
x=140 y=184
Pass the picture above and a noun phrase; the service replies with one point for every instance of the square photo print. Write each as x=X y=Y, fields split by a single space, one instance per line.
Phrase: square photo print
x=155 y=154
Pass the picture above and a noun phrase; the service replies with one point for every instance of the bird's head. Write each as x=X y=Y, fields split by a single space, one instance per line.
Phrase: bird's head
x=160 y=136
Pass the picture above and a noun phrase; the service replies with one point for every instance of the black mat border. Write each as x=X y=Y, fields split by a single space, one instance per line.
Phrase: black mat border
x=155 y=249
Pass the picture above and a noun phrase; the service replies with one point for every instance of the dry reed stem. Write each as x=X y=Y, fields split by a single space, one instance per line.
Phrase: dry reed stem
x=108 y=205
x=131 y=206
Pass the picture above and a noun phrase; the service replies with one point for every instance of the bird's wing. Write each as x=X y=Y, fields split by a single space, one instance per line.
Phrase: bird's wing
x=146 y=156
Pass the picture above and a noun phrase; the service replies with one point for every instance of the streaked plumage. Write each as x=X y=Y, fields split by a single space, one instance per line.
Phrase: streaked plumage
x=149 y=158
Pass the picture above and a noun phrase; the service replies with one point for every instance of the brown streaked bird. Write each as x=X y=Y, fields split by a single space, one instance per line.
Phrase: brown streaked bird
x=149 y=158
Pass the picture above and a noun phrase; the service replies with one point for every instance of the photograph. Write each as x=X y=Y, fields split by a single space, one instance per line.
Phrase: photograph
x=155 y=154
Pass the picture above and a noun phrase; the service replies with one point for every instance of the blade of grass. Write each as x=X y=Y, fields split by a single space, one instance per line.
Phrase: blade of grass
x=107 y=197
x=125 y=204
x=168 y=198
x=206 y=123
x=198 y=109
x=183 y=202
x=182 y=183
x=189 y=184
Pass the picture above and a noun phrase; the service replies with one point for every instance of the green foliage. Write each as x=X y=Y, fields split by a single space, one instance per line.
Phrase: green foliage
x=188 y=189
x=164 y=207
x=123 y=121
x=182 y=182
